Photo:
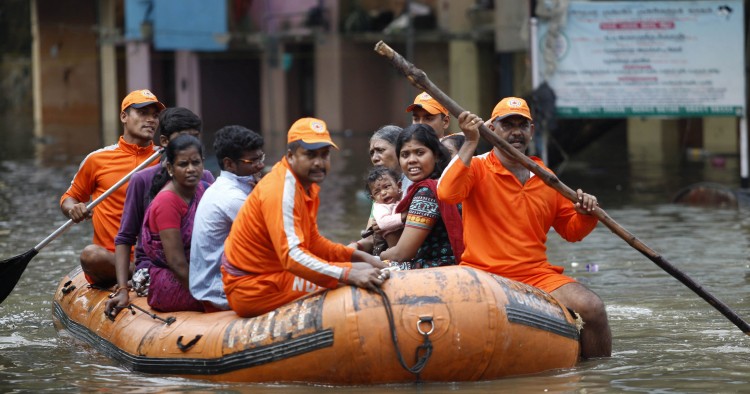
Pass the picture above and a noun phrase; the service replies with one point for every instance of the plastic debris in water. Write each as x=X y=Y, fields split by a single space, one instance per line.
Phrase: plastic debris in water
x=592 y=267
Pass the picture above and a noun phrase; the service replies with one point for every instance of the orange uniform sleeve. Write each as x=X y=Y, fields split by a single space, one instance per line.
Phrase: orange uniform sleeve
x=83 y=185
x=299 y=247
x=456 y=182
x=335 y=253
x=571 y=225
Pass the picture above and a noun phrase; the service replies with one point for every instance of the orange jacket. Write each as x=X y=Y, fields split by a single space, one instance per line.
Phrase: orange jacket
x=506 y=223
x=276 y=230
x=99 y=171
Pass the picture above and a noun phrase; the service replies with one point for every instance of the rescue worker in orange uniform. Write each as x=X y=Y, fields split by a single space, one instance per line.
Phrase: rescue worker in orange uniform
x=274 y=253
x=102 y=169
x=426 y=110
x=507 y=206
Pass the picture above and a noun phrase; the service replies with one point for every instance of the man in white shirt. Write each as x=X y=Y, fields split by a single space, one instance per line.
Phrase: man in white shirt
x=240 y=155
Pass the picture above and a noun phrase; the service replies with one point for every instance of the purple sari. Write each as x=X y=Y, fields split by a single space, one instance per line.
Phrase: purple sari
x=165 y=292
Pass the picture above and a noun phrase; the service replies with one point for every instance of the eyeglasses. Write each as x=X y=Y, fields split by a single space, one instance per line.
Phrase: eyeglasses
x=258 y=159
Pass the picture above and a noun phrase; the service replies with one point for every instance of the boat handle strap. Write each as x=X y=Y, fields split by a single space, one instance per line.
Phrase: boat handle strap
x=423 y=352
x=186 y=346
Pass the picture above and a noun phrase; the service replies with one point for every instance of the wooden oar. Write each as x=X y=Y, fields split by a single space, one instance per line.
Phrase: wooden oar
x=12 y=268
x=419 y=79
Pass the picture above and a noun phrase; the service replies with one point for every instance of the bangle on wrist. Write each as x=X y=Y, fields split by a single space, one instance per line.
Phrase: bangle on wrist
x=118 y=288
x=345 y=274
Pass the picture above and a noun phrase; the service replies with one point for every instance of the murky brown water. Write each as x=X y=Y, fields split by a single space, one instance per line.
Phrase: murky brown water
x=666 y=339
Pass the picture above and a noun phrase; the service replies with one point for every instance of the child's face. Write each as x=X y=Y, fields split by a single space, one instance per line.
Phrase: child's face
x=385 y=190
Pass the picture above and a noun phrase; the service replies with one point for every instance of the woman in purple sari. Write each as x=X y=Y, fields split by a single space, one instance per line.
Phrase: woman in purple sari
x=168 y=226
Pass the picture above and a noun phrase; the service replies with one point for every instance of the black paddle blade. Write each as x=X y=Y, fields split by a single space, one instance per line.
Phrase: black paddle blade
x=11 y=270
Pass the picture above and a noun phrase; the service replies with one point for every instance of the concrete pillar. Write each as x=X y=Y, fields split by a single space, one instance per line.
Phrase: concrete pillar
x=110 y=110
x=329 y=76
x=273 y=99
x=36 y=80
x=138 y=58
x=653 y=150
x=465 y=78
x=653 y=141
x=67 y=105
x=720 y=135
x=511 y=17
x=463 y=64
x=188 y=81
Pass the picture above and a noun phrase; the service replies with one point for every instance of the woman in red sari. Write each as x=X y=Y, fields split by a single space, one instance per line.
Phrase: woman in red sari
x=168 y=226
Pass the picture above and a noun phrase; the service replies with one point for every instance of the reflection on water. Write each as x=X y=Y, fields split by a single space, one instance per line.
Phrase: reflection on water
x=665 y=337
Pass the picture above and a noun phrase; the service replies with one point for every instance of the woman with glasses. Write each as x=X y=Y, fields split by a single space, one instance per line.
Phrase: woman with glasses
x=239 y=152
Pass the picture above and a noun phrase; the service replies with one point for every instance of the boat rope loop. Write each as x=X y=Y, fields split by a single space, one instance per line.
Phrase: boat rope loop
x=169 y=320
x=184 y=347
x=423 y=351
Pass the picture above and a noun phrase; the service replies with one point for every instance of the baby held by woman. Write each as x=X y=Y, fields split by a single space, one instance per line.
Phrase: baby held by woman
x=384 y=188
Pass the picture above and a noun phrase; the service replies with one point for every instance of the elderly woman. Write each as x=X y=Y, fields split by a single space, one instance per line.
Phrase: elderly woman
x=383 y=151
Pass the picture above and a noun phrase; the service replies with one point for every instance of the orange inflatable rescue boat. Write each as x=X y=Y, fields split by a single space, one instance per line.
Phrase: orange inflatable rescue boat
x=438 y=324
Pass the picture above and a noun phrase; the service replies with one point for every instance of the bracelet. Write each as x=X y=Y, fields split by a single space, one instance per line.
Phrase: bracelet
x=345 y=274
x=118 y=288
x=390 y=263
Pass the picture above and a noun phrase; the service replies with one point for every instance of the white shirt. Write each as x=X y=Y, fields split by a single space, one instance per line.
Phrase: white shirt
x=213 y=220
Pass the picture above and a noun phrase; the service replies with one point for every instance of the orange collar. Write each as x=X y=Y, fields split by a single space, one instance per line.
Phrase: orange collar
x=135 y=149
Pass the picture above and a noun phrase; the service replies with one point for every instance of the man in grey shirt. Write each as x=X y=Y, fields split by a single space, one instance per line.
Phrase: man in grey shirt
x=240 y=155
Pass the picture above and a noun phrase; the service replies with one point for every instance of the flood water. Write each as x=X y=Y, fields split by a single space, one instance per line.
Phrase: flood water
x=665 y=338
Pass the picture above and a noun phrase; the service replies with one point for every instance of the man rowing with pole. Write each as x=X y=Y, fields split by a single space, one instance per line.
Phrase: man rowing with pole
x=505 y=205
x=99 y=171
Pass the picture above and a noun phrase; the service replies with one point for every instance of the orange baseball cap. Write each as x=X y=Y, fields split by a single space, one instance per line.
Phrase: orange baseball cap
x=312 y=134
x=139 y=99
x=429 y=104
x=511 y=106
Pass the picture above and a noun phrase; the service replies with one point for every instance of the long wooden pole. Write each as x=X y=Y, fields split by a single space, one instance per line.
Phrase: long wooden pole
x=12 y=268
x=419 y=79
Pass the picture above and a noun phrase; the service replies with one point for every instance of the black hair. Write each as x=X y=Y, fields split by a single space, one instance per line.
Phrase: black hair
x=178 y=144
x=388 y=133
x=177 y=119
x=425 y=135
x=457 y=140
x=294 y=145
x=377 y=173
x=232 y=141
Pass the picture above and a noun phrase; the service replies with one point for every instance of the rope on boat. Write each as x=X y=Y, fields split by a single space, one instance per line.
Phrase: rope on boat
x=423 y=351
x=578 y=319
